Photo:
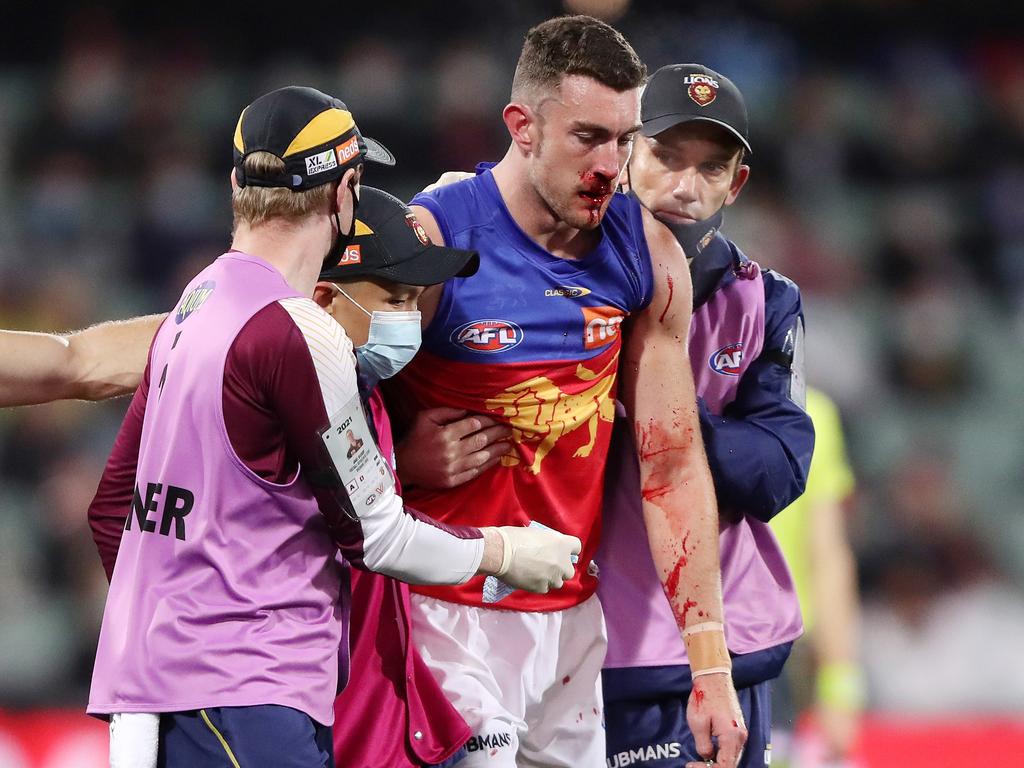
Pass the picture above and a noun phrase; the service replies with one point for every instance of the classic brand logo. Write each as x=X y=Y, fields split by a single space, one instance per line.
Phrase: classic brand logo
x=195 y=299
x=347 y=150
x=702 y=89
x=488 y=336
x=601 y=326
x=567 y=291
x=324 y=161
x=728 y=360
x=353 y=255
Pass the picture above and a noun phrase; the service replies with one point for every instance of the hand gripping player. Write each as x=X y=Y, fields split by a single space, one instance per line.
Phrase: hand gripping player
x=227 y=607
x=745 y=351
x=534 y=339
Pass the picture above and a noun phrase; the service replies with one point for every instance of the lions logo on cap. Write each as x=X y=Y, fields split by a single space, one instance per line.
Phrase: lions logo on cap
x=414 y=224
x=702 y=89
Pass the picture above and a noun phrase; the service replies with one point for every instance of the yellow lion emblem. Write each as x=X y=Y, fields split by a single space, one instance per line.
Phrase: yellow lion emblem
x=541 y=414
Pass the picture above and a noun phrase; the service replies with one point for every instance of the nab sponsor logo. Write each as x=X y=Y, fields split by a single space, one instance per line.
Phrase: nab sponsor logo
x=353 y=255
x=601 y=326
x=320 y=162
x=728 y=360
x=488 y=336
x=195 y=299
x=567 y=291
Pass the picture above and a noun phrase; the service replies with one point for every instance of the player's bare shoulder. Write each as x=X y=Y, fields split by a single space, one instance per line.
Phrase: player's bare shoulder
x=431 y=295
x=672 y=298
x=429 y=223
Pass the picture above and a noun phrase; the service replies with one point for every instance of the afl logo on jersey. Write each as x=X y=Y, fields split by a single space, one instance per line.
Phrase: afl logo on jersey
x=487 y=336
x=194 y=300
x=728 y=360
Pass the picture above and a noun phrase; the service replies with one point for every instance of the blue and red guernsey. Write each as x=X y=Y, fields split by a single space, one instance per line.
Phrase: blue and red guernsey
x=533 y=340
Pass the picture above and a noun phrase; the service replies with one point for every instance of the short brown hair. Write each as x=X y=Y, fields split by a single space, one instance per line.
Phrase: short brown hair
x=577 y=45
x=256 y=205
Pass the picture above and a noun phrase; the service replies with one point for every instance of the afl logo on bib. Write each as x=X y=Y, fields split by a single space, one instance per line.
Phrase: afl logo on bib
x=728 y=360
x=487 y=336
x=195 y=299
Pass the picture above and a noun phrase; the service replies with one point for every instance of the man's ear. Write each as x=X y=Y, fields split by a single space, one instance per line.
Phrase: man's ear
x=234 y=181
x=742 y=174
x=343 y=190
x=323 y=294
x=518 y=119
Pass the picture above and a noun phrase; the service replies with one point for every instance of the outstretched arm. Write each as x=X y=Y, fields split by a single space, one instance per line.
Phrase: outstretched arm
x=102 y=361
x=678 y=495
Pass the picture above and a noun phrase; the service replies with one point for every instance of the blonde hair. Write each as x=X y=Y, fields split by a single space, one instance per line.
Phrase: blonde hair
x=256 y=205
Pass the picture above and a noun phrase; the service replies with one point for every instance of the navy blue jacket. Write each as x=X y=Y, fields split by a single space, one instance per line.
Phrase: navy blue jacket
x=759 y=449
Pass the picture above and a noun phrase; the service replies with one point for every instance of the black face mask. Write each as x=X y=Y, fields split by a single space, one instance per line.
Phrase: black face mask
x=344 y=238
x=696 y=236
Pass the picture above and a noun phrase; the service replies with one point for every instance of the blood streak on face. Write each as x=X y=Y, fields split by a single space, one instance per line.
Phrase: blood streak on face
x=596 y=191
x=669 y=304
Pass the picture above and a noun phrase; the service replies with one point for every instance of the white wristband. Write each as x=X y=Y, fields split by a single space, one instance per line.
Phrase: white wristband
x=707 y=626
x=710 y=671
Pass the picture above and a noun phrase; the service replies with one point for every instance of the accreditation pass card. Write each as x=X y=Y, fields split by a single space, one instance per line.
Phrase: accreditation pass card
x=495 y=589
x=357 y=459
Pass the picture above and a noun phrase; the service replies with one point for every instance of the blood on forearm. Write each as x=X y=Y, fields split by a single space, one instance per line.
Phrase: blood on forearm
x=681 y=520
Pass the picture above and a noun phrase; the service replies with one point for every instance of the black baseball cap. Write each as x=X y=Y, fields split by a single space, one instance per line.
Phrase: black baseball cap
x=391 y=244
x=679 y=93
x=313 y=133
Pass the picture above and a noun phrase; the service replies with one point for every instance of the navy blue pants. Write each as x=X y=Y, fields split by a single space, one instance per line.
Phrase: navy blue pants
x=265 y=736
x=654 y=732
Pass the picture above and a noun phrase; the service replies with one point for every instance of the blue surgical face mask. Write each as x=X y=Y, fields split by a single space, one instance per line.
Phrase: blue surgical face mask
x=393 y=341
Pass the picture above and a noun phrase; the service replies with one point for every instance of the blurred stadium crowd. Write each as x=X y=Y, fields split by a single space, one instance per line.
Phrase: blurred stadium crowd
x=888 y=181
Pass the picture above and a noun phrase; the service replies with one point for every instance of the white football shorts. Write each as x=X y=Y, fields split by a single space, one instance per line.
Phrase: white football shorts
x=528 y=683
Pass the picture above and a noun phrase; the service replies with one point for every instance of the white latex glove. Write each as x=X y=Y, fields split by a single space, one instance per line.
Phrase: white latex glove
x=449 y=177
x=536 y=559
